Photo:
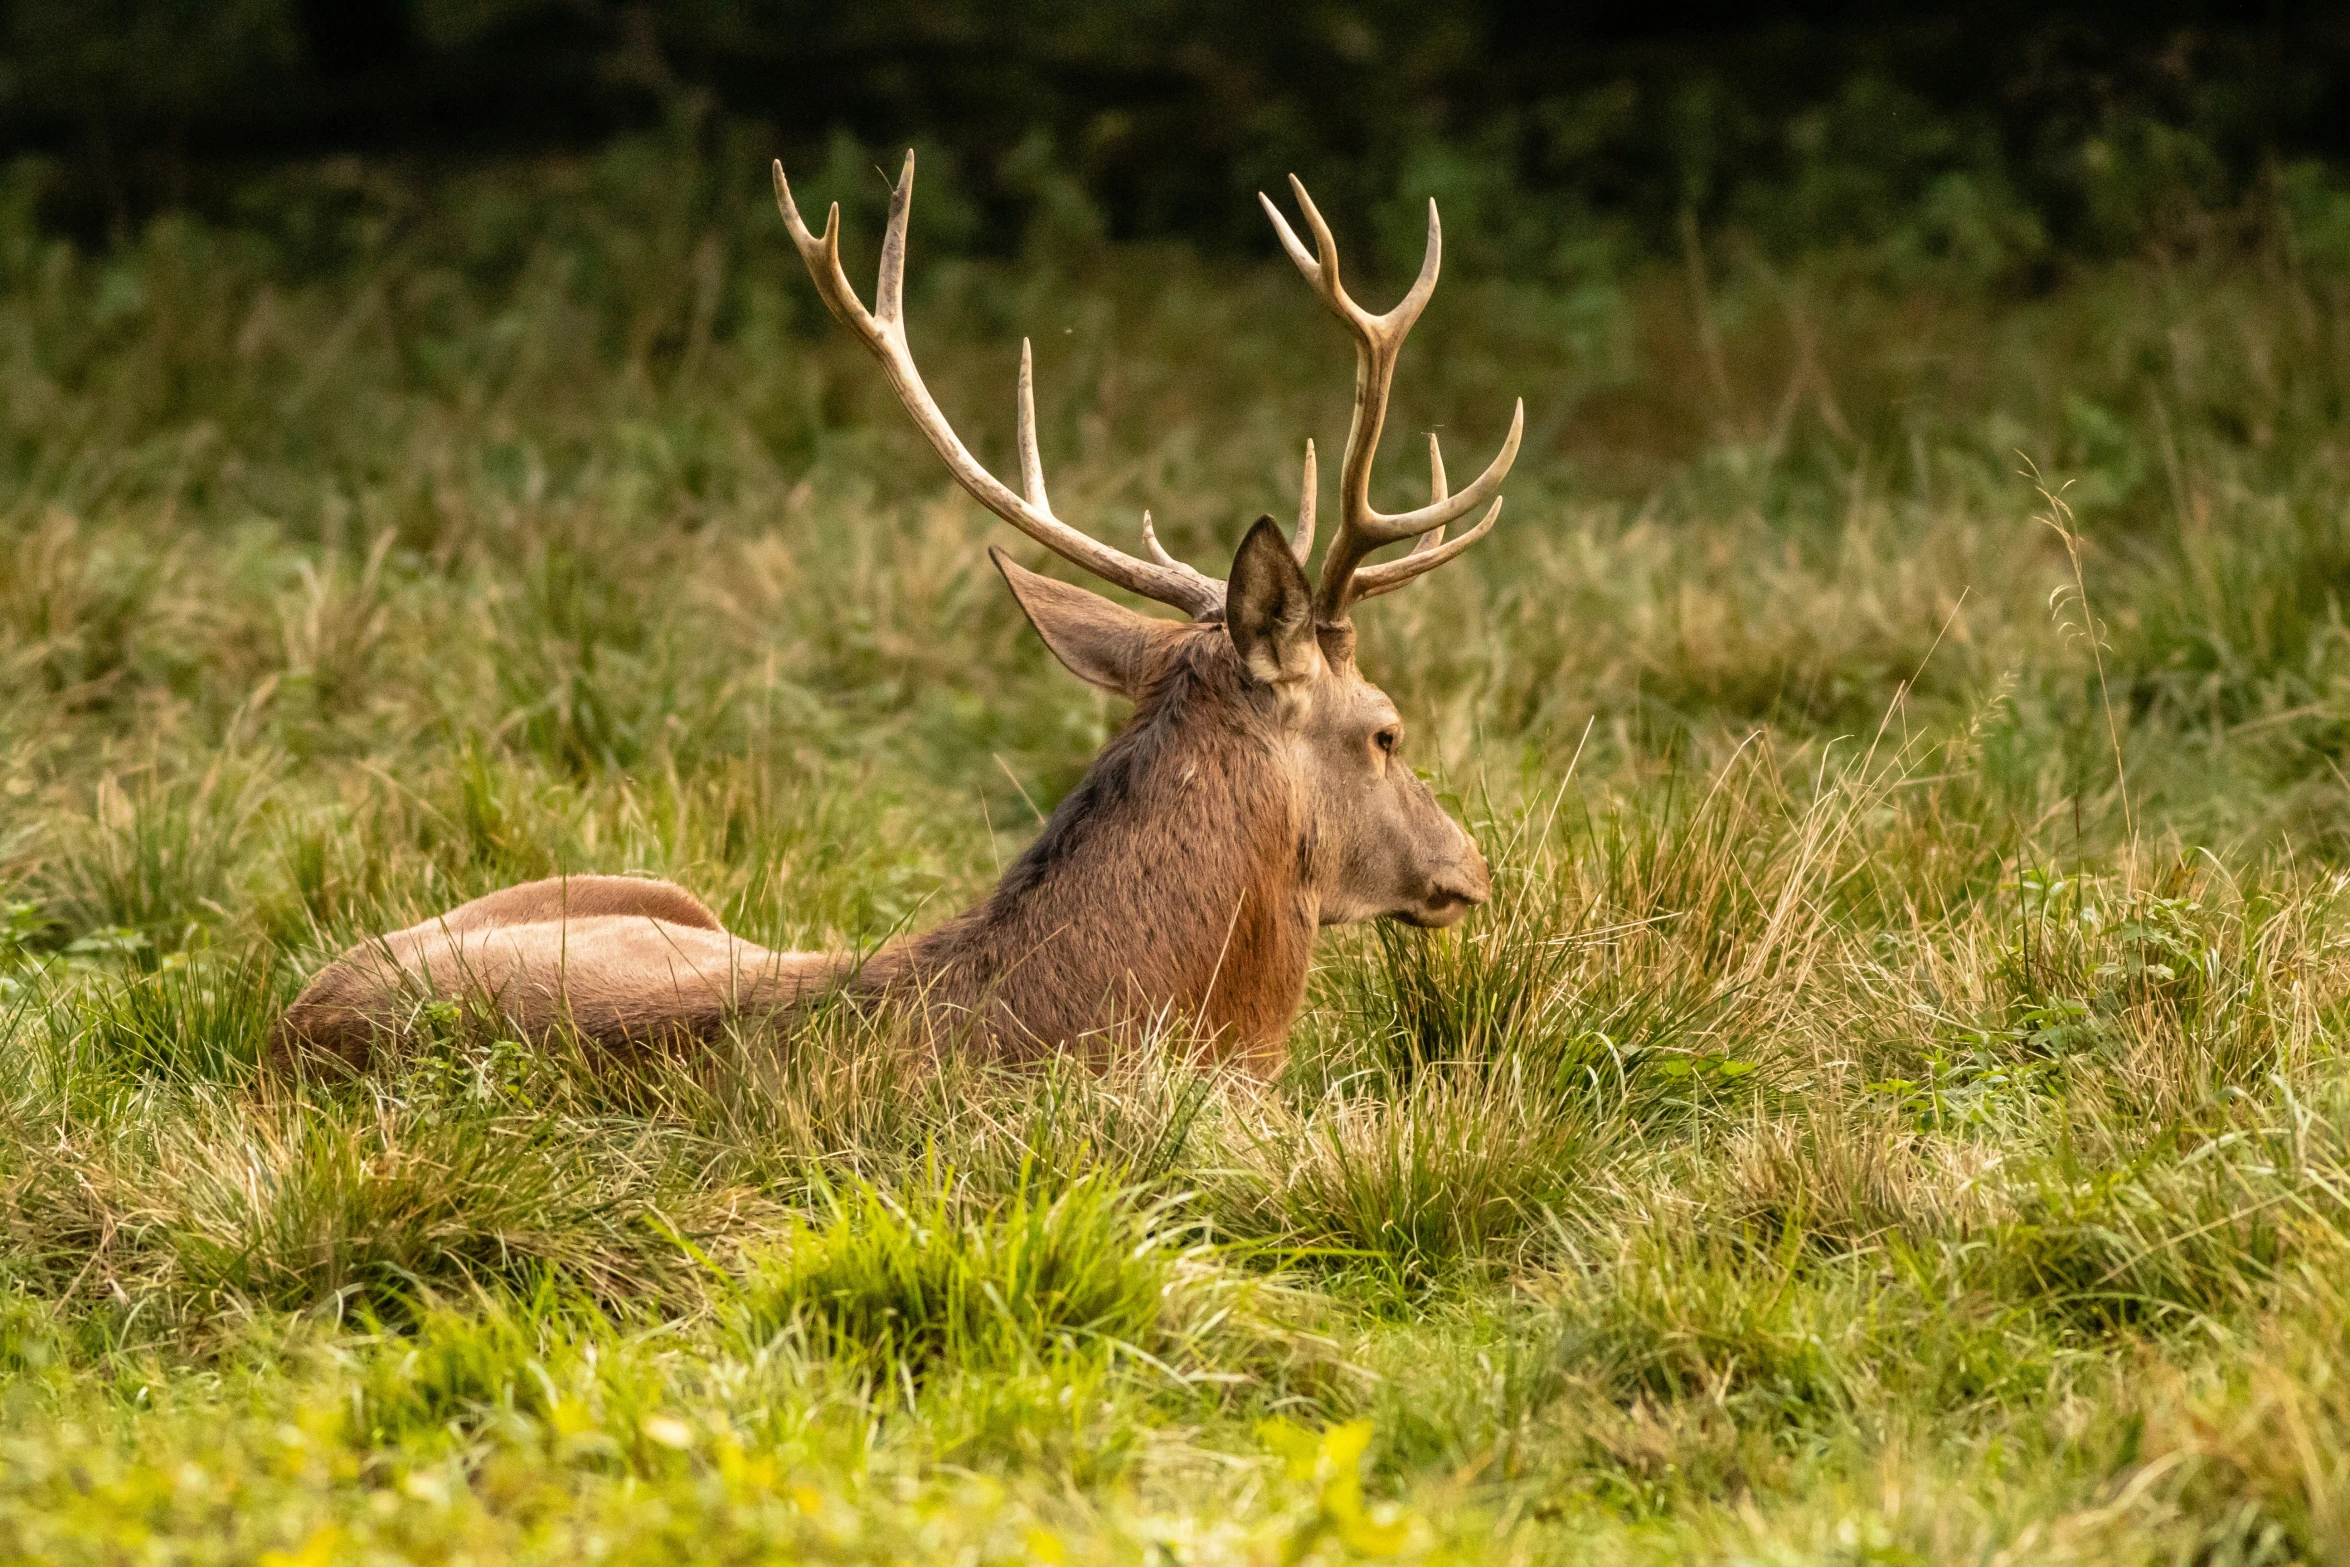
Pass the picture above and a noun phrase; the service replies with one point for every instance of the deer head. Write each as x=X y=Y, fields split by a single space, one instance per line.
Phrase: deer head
x=1268 y=654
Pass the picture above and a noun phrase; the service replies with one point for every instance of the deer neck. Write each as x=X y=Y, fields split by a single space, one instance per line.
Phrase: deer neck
x=1168 y=886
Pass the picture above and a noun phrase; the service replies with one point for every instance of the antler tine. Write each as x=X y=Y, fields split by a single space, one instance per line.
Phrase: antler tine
x=1430 y=553
x=1150 y=542
x=1438 y=488
x=1297 y=252
x=1031 y=465
x=1407 y=309
x=823 y=258
x=889 y=289
x=1308 y=496
x=1378 y=344
x=1387 y=528
x=883 y=331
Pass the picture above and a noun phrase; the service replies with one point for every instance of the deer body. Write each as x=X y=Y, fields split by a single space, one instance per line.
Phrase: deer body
x=631 y=971
x=1255 y=794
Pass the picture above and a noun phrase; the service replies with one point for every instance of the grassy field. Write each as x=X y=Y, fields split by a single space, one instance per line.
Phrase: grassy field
x=1893 y=1110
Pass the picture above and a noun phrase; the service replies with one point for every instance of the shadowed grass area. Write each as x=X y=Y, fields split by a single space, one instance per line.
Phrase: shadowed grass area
x=1892 y=1109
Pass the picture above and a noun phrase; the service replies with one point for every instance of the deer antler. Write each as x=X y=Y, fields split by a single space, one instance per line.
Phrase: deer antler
x=1378 y=341
x=883 y=330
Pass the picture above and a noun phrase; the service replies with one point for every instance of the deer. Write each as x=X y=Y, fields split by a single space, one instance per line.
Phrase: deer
x=1257 y=791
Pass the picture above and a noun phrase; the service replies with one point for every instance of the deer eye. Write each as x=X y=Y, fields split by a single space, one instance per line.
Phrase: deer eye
x=1387 y=740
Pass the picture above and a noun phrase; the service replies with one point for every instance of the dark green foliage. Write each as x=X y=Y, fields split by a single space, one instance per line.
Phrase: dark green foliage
x=1991 y=140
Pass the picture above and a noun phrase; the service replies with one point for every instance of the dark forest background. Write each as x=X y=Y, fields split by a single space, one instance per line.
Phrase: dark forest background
x=2009 y=132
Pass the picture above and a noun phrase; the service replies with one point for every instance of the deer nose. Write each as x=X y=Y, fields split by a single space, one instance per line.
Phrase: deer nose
x=1457 y=888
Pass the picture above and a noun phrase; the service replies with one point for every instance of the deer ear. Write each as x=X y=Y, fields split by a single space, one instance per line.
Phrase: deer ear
x=1099 y=642
x=1269 y=608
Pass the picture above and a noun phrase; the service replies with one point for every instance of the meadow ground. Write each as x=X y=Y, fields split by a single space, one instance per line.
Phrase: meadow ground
x=1893 y=1110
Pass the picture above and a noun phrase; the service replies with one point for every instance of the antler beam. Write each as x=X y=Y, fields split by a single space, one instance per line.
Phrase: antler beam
x=1378 y=342
x=1345 y=578
x=883 y=331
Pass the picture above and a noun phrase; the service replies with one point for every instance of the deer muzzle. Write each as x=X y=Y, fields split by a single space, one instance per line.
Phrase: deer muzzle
x=1453 y=890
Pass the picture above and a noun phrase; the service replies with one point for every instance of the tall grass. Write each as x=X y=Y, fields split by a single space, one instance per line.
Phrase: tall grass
x=1891 y=1108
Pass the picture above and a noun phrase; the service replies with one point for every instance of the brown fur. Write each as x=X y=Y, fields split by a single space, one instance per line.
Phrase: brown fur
x=1167 y=886
x=1180 y=883
x=622 y=960
x=1257 y=793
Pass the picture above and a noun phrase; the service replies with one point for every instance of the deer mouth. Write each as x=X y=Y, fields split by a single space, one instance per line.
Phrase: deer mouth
x=1457 y=889
x=1442 y=907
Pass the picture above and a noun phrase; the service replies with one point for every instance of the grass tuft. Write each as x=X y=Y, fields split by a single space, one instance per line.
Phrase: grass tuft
x=898 y=1285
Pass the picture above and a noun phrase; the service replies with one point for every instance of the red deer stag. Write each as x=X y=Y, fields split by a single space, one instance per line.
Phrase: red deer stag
x=1256 y=793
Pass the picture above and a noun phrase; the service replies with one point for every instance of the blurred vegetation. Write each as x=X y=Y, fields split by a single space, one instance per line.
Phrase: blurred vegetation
x=2004 y=134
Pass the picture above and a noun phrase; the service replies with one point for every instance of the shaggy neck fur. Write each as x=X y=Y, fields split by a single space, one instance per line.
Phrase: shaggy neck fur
x=1170 y=884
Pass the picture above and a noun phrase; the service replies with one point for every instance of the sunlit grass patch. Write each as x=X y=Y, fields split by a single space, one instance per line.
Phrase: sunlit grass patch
x=902 y=1285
